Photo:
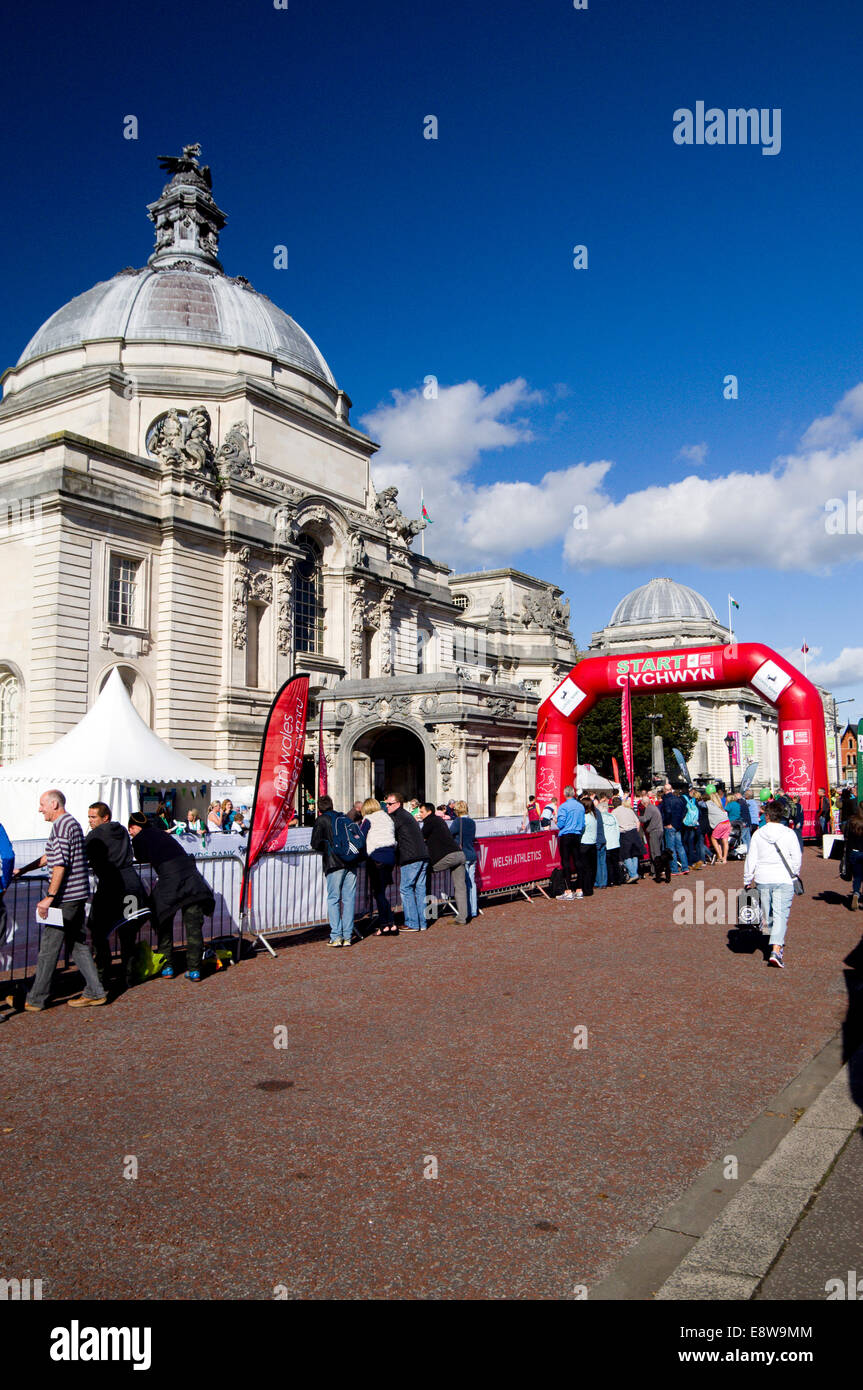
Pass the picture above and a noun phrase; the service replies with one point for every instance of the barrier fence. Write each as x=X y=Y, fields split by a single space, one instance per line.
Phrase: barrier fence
x=287 y=892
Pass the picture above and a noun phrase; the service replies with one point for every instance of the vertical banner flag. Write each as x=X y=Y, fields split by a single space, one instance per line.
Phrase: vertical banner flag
x=626 y=731
x=616 y=770
x=322 y=762
x=859 y=764
x=681 y=763
x=278 y=774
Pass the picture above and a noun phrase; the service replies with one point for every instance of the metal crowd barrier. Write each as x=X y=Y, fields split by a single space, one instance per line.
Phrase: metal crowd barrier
x=287 y=893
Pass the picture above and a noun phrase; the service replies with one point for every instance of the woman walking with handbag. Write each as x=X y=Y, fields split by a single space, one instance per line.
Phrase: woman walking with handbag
x=773 y=862
x=720 y=827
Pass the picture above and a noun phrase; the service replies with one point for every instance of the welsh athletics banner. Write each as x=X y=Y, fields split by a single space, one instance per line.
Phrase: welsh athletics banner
x=278 y=773
x=507 y=861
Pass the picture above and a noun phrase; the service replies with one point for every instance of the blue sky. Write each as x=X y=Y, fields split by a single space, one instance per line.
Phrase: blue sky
x=452 y=258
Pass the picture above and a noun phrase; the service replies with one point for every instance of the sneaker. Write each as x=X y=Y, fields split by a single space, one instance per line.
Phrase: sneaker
x=345 y=942
x=338 y=942
x=193 y=975
x=579 y=894
x=567 y=897
x=167 y=973
x=776 y=957
x=85 y=1001
x=855 y=902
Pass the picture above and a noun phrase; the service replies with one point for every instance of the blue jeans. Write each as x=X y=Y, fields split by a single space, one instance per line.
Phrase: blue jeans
x=775 y=906
x=855 y=863
x=691 y=838
x=472 y=900
x=631 y=866
x=341 y=892
x=71 y=934
x=601 y=868
x=674 y=842
x=413 y=894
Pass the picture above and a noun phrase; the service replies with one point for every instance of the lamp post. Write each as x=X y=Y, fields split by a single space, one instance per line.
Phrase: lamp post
x=729 y=744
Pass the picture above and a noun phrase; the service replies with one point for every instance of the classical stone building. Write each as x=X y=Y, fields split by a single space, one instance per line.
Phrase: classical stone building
x=664 y=613
x=185 y=497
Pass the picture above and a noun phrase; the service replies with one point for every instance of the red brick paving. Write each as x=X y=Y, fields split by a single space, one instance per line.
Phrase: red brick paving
x=457 y=1044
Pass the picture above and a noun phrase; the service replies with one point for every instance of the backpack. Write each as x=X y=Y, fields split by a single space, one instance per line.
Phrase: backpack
x=556 y=883
x=349 y=844
x=691 y=817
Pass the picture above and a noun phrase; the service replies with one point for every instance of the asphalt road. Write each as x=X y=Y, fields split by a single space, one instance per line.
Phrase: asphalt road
x=430 y=1130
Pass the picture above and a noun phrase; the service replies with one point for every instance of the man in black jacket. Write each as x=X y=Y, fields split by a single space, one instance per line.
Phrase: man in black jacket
x=341 y=879
x=412 y=858
x=444 y=853
x=180 y=888
x=120 y=895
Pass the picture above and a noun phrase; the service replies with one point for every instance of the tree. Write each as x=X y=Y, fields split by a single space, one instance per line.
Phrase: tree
x=600 y=739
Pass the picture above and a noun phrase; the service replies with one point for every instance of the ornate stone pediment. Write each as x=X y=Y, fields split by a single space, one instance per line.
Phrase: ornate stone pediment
x=384 y=706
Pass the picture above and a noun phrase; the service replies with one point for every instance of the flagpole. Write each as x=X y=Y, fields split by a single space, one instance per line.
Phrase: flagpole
x=423 y=531
x=805 y=662
x=730 y=628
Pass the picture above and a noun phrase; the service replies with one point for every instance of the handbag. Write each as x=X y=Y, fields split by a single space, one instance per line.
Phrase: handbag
x=845 y=867
x=796 y=880
x=749 y=908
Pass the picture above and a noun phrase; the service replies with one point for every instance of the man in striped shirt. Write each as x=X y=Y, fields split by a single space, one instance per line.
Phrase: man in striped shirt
x=68 y=890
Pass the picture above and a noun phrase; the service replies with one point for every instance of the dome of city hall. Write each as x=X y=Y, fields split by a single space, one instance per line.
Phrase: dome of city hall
x=662 y=600
x=182 y=295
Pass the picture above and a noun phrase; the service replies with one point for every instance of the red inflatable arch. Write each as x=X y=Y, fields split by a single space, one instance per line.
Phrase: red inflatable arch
x=802 y=741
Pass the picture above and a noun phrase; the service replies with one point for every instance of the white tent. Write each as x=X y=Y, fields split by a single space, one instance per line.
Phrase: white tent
x=104 y=758
x=588 y=780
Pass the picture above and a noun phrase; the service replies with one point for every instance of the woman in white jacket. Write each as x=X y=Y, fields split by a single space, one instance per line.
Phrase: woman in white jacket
x=379 y=831
x=773 y=860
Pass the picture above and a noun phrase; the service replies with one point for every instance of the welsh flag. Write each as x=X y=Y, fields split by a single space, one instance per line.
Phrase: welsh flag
x=426 y=516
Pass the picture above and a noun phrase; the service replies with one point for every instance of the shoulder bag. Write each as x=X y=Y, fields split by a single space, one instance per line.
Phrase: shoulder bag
x=796 y=880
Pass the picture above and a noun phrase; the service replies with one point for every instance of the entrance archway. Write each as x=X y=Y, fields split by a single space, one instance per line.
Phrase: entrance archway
x=391 y=759
x=802 y=740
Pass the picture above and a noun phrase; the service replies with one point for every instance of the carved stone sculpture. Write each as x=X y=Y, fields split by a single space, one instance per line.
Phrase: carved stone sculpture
x=240 y=598
x=285 y=616
x=234 y=456
x=397 y=525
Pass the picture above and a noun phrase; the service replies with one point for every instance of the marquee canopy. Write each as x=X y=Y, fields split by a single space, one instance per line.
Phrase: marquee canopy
x=104 y=758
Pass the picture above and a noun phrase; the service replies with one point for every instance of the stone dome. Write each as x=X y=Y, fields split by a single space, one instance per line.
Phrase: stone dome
x=659 y=601
x=182 y=295
x=183 y=305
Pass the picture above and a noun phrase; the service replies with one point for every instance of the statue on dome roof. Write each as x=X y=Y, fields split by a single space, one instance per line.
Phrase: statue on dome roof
x=186 y=163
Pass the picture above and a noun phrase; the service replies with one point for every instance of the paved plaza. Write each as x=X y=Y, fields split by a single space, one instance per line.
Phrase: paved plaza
x=435 y=1126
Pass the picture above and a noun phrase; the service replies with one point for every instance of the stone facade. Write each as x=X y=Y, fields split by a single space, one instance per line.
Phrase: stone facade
x=193 y=505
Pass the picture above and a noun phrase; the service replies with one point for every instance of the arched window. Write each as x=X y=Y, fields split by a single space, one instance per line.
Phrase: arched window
x=308 y=599
x=10 y=710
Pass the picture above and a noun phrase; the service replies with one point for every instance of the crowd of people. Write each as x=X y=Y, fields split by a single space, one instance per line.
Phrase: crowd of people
x=110 y=852
x=604 y=842
x=435 y=840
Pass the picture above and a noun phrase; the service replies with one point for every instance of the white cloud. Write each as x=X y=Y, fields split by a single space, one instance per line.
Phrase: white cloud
x=433 y=444
x=840 y=425
x=843 y=671
x=773 y=517
x=693 y=453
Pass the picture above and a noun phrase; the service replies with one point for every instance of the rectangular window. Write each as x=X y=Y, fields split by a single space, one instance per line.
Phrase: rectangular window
x=122 y=589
